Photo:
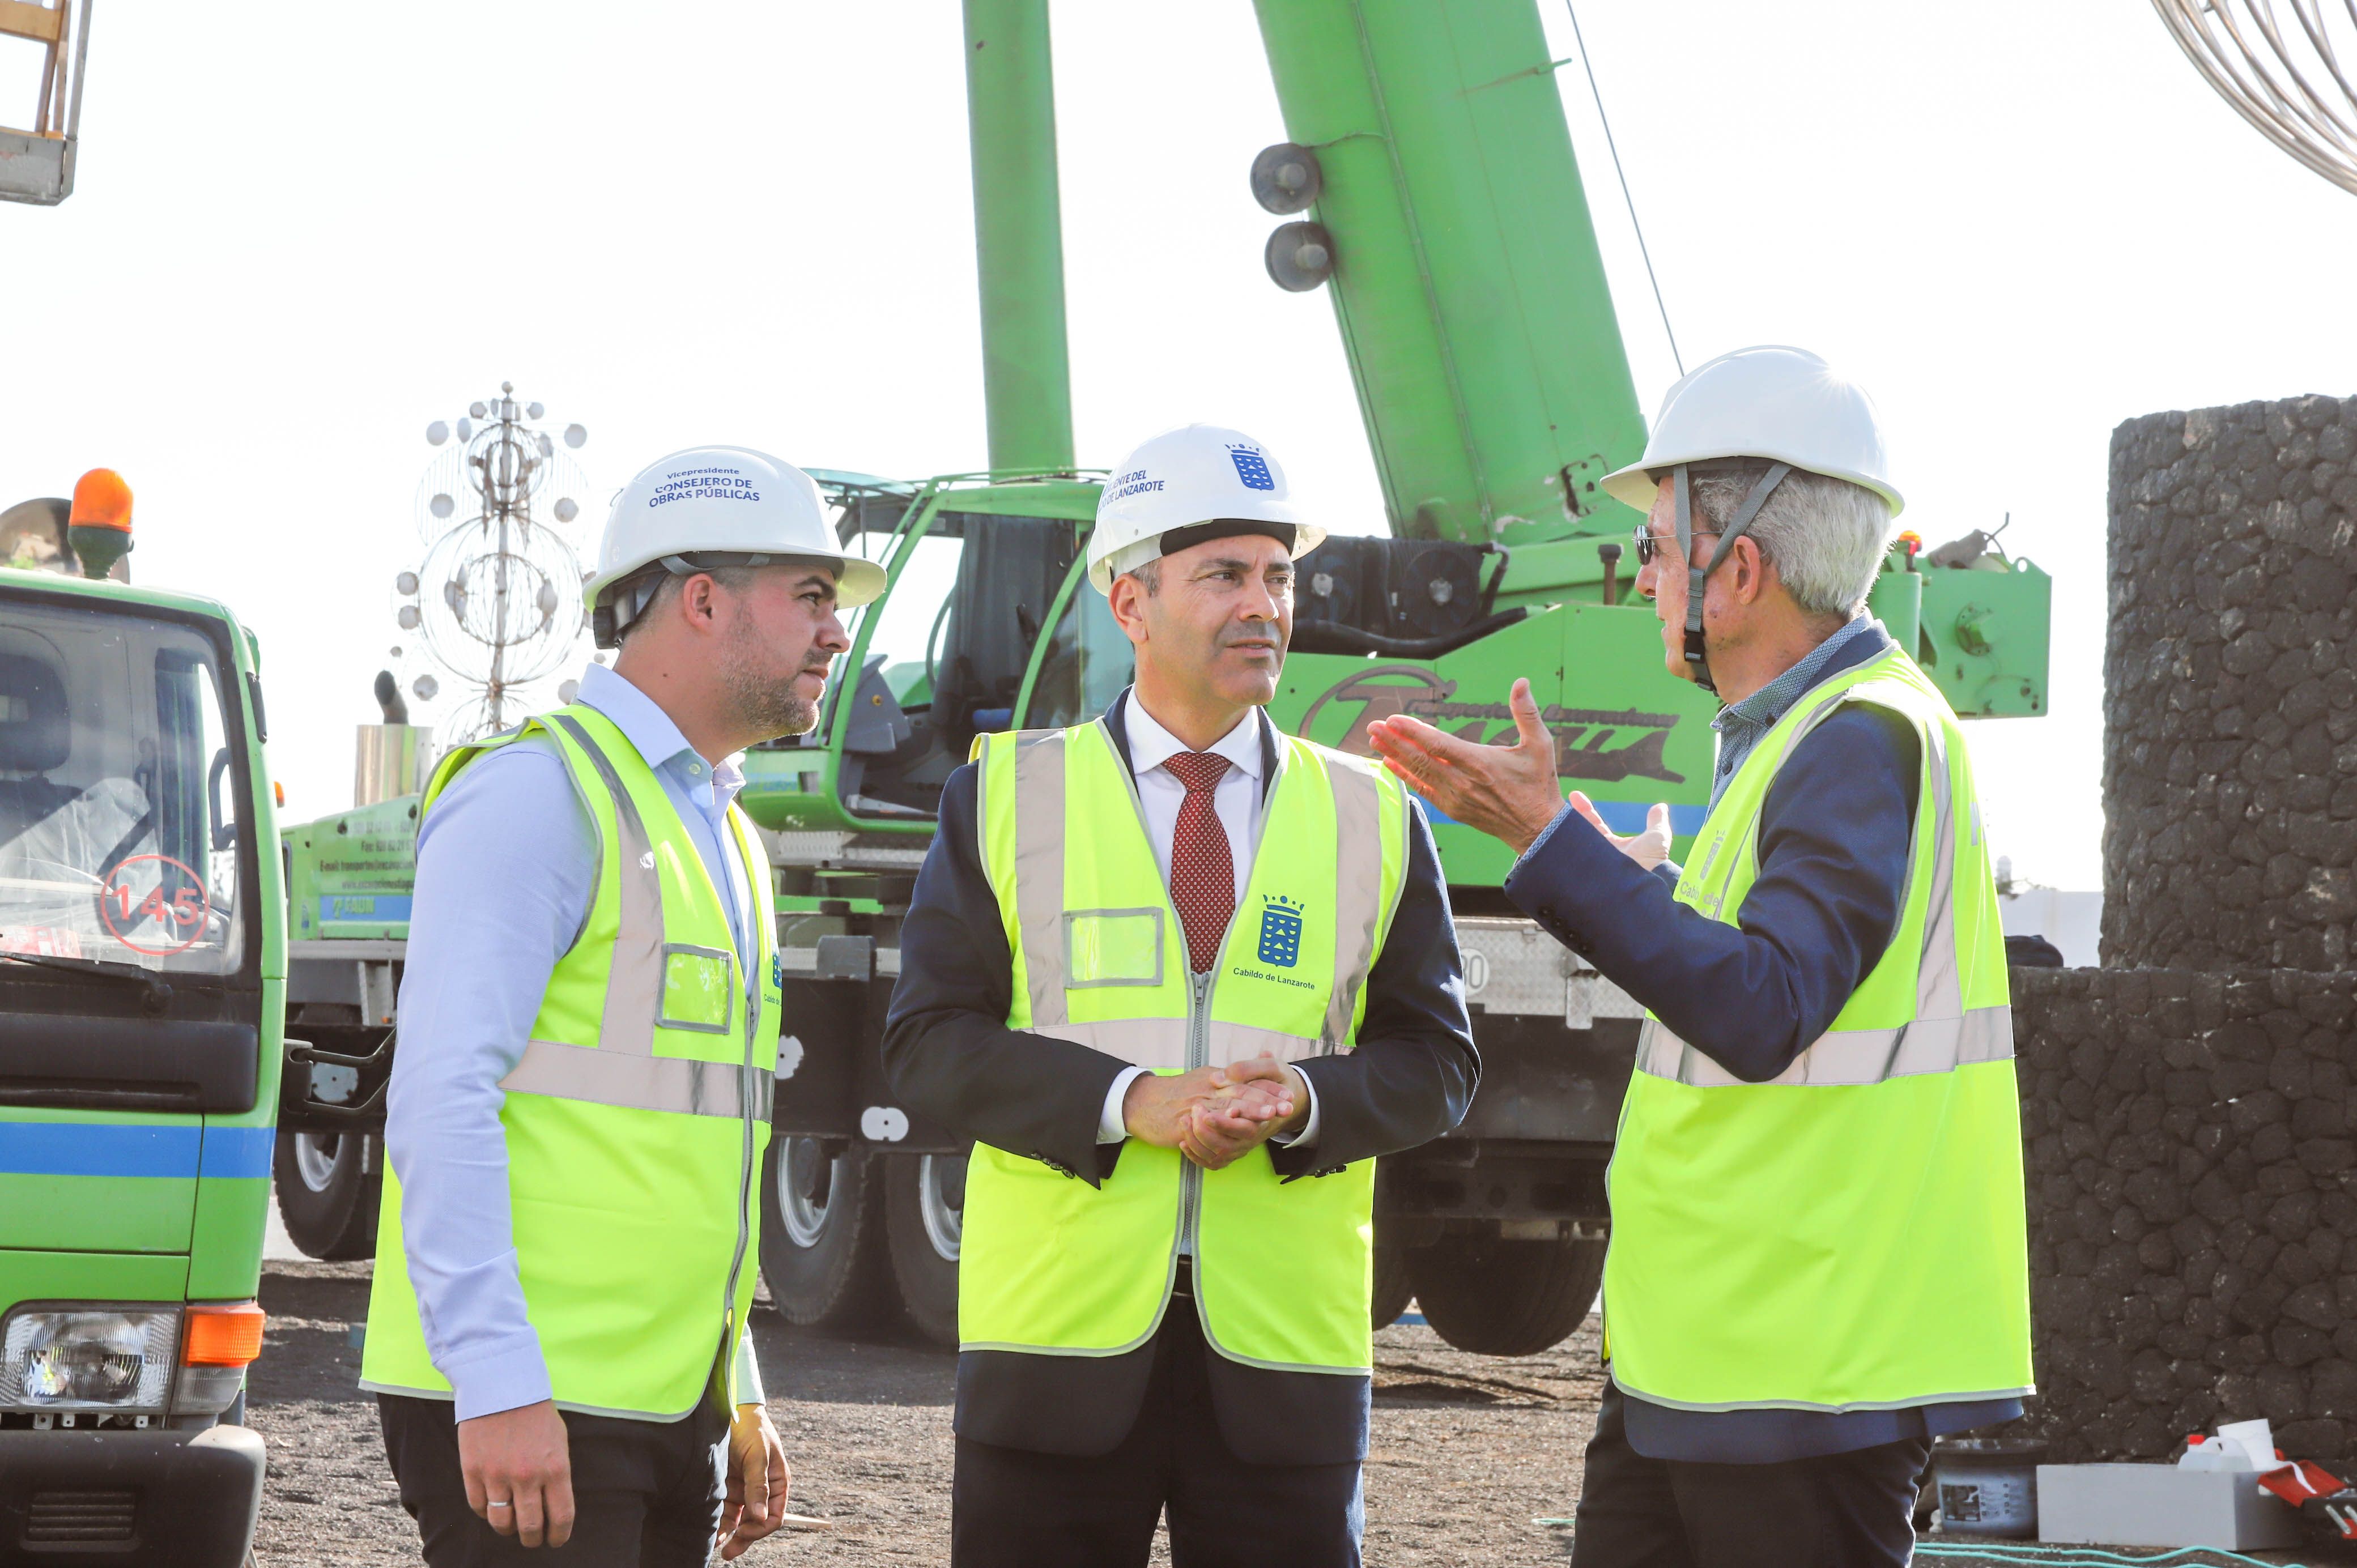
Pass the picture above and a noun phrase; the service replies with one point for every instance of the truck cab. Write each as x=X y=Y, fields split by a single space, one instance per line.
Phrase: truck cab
x=142 y=971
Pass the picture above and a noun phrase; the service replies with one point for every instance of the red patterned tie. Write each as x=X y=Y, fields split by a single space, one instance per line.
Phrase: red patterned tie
x=1202 y=868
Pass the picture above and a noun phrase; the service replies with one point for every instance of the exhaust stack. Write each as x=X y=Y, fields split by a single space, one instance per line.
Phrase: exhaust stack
x=392 y=758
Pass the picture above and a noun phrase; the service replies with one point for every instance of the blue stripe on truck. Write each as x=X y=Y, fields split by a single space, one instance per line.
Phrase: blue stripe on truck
x=238 y=1151
x=113 y=1149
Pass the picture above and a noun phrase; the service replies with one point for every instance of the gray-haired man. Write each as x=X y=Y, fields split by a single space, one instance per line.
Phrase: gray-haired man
x=1825 y=1075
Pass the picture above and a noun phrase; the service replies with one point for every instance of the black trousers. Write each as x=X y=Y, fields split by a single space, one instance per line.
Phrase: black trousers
x=1840 y=1510
x=1014 y=1509
x=646 y=1493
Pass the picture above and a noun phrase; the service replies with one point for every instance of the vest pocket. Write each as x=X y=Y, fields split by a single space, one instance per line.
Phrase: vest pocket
x=1112 y=947
x=698 y=989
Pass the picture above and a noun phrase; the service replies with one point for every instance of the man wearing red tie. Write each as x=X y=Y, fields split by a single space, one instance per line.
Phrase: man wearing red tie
x=1182 y=978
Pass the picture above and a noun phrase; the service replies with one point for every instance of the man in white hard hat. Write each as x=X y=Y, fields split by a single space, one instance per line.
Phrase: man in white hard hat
x=588 y=1028
x=1182 y=978
x=1818 y=1260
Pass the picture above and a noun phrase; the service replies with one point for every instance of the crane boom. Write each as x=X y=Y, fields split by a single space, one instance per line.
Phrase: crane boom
x=1018 y=234
x=1467 y=280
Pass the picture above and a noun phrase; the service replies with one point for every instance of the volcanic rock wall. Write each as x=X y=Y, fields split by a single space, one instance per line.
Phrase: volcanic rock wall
x=2187 y=1114
x=2191 y=1145
x=2230 y=706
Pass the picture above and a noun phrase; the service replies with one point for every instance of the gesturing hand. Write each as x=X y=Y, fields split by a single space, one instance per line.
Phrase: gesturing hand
x=518 y=1467
x=757 y=1482
x=1263 y=1098
x=1508 y=791
x=1648 y=849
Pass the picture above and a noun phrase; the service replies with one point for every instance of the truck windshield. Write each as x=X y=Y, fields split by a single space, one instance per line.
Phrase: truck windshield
x=911 y=621
x=966 y=609
x=120 y=829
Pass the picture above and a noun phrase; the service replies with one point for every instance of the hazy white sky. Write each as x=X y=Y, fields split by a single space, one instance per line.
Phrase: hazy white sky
x=297 y=242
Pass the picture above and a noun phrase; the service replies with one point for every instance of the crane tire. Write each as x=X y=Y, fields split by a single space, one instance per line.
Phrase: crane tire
x=924 y=1209
x=1394 y=1288
x=329 y=1190
x=823 y=1241
x=1496 y=1297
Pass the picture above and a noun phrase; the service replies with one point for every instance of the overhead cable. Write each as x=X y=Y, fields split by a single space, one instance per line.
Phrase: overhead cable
x=1589 y=66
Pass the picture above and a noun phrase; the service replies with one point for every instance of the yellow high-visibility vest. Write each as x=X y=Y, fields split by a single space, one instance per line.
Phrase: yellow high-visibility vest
x=1851 y=1235
x=1282 y=1270
x=635 y=1123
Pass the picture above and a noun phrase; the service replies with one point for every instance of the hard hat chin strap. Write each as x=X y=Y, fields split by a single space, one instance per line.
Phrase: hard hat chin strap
x=627 y=600
x=1681 y=487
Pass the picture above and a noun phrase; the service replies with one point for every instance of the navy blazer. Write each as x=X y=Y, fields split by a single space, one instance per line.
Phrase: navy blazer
x=948 y=1053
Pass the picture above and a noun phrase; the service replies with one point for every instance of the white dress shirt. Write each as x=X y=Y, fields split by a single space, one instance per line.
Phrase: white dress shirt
x=1236 y=798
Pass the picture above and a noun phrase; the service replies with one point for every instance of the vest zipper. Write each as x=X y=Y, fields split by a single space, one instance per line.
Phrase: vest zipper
x=1199 y=1054
x=744 y=1190
x=1199 y=994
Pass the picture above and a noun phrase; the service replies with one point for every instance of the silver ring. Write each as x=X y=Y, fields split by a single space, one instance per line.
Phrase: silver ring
x=498 y=1504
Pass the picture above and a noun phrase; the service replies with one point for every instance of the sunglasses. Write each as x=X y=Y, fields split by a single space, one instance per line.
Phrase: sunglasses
x=1649 y=544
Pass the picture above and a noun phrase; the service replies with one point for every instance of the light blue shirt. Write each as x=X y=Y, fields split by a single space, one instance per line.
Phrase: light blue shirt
x=1742 y=726
x=507 y=863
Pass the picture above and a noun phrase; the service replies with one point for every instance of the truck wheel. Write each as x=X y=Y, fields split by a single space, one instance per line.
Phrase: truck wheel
x=329 y=1204
x=1495 y=1297
x=821 y=1234
x=1394 y=1288
x=924 y=1219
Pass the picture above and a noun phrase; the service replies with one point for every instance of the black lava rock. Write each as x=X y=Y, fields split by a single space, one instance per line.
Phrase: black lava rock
x=2193 y=1208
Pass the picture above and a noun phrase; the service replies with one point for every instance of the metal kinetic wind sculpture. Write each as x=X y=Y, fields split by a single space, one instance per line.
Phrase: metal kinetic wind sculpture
x=2285 y=65
x=497 y=598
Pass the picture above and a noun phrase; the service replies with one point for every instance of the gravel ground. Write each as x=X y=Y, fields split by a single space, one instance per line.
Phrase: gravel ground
x=1468 y=1453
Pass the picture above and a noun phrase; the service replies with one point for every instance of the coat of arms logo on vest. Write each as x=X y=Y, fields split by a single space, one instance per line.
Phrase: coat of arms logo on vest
x=1280 y=931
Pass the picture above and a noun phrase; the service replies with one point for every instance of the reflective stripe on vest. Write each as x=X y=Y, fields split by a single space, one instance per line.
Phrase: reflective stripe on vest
x=1942 y=1035
x=1846 y=1056
x=1851 y=1234
x=1281 y=1267
x=639 y=1082
x=1049 y=931
x=622 y=1069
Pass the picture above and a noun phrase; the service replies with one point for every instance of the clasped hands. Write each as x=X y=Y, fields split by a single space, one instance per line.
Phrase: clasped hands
x=1216 y=1115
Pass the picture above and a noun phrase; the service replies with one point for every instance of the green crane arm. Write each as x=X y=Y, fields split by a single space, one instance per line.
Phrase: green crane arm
x=1466 y=276
x=1018 y=234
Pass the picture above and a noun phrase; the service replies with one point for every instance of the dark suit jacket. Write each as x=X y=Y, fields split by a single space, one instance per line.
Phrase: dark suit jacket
x=948 y=1053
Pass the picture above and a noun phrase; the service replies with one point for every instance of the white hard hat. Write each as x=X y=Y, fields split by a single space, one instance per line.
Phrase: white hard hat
x=1784 y=405
x=731 y=503
x=1193 y=482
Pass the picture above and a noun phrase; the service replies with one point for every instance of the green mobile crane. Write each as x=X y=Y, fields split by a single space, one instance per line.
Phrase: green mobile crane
x=1429 y=184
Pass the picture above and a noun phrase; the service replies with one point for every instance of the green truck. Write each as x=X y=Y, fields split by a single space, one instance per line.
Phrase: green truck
x=1428 y=185
x=142 y=963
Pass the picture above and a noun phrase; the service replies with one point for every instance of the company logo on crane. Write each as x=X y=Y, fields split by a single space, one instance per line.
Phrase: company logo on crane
x=1598 y=745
